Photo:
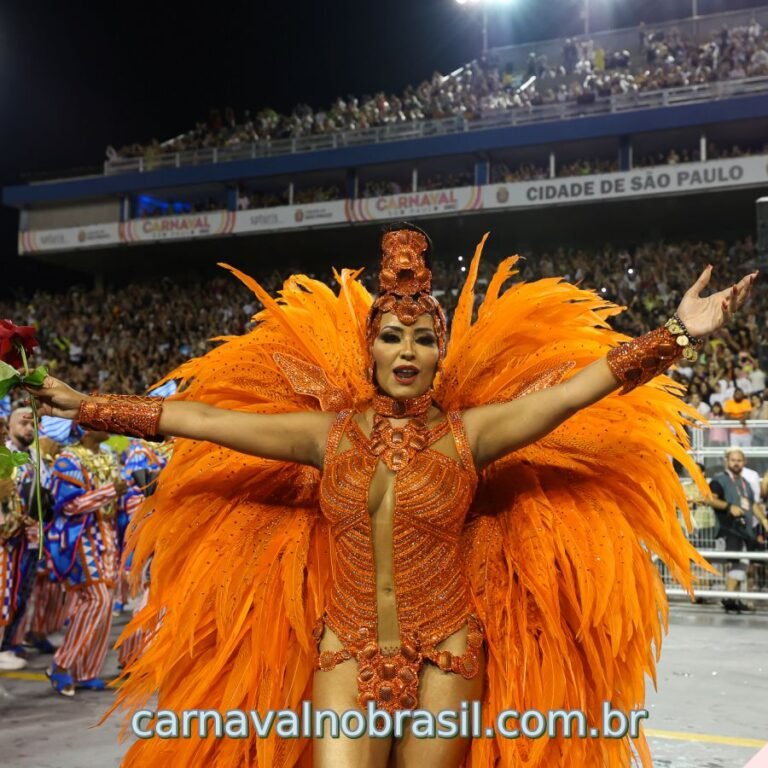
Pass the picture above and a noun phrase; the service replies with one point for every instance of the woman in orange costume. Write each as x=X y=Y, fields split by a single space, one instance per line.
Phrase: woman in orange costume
x=387 y=517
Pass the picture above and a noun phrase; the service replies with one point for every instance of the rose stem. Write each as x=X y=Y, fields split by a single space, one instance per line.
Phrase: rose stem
x=38 y=456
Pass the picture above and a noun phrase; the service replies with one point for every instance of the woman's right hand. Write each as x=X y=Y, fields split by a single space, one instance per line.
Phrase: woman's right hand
x=56 y=398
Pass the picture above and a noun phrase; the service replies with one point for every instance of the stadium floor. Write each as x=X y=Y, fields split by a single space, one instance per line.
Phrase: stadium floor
x=709 y=711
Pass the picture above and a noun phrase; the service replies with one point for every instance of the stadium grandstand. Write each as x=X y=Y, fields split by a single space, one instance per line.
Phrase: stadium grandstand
x=664 y=127
x=624 y=160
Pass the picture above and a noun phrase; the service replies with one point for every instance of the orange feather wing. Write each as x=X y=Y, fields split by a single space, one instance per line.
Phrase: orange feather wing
x=239 y=551
x=560 y=538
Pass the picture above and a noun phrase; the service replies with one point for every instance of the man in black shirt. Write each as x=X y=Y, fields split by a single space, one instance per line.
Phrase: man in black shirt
x=734 y=503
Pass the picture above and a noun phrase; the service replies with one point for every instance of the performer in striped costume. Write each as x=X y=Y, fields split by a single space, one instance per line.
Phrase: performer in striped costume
x=18 y=560
x=9 y=512
x=141 y=468
x=21 y=438
x=11 y=543
x=82 y=547
x=143 y=465
x=48 y=606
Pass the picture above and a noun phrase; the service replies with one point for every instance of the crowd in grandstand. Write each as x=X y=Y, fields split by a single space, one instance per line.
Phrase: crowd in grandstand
x=666 y=59
x=127 y=338
x=502 y=172
x=123 y=340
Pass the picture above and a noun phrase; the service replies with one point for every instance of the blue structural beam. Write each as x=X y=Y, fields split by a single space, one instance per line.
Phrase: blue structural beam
x=625 y=153
x=598 y=126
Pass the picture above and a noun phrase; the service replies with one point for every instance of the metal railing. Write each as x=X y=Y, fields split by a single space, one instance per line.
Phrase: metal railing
x=716 y=556
x=713 y=586
x=451 y=125
x=711 y=441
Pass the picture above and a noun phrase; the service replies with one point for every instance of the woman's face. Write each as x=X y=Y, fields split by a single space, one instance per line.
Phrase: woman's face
x=405 y=356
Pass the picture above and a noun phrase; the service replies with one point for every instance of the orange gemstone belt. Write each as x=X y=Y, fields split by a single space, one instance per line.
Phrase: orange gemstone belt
x=390 y=677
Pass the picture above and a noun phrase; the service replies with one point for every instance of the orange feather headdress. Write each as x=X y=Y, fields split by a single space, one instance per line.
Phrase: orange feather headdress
x=405 y=285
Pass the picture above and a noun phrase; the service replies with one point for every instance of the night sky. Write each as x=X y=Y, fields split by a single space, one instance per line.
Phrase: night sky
x=77 y=76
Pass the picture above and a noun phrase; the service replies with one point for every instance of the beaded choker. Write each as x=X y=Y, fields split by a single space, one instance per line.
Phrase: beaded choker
x=384 y=405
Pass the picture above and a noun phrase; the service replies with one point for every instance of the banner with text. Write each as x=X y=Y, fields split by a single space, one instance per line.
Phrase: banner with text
x=659 y=180
x=290 y=217
x=645 y=182
x=209 y=224
x=412 y=204
x=68 y=238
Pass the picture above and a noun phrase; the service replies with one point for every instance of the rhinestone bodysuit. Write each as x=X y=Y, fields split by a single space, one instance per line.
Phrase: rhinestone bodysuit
x=432 y=494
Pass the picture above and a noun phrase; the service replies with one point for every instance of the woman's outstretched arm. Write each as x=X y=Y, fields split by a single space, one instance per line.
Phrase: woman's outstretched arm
x=299 y=437
x=496 y=430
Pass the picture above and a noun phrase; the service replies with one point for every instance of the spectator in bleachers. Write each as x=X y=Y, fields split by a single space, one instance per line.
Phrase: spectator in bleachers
x=446 y=181
x=739 y=408
x=501 y=173
x=757 y=377
x=316 y=195
x=702 y=407
x=587 y=167
x=759 y=406
x=267 y=199
x=382 y=189
x=718 y=436
x=759 y=413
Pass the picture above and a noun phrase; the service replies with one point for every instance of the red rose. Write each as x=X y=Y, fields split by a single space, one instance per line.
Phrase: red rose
x=11 y=336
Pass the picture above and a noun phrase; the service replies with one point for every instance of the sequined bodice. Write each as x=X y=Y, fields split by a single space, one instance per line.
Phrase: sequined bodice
x=432 y=493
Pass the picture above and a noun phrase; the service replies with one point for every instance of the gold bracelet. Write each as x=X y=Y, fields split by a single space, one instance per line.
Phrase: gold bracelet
x=683 y=338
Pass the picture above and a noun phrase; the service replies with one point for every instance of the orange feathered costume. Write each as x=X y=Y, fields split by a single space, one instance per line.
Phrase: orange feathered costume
x=557 y=543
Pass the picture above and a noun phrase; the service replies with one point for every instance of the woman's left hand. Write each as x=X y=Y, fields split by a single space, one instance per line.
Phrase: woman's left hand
x=704 y=316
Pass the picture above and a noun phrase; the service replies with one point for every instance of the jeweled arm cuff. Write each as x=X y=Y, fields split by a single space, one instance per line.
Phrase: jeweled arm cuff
x=638 y=361
x=123 y=415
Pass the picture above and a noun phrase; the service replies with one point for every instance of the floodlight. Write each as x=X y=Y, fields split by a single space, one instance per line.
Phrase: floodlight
x=484 y=4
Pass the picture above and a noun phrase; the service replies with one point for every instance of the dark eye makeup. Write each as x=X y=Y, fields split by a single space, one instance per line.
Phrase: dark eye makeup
x=426 y=339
